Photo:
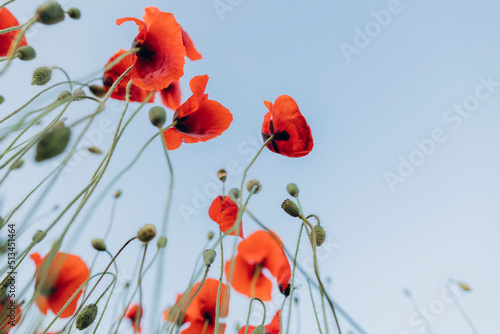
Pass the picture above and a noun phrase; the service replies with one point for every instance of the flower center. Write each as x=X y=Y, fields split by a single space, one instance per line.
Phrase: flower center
x=143 y=51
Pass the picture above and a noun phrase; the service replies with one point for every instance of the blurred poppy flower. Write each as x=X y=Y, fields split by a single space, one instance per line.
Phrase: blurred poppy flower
x=291 y=134
x=136 y=94
x=273 y=328
x=191 y=51
x=225 y=214
x=160 y=59
x=201 y=312
x=198 y=119
x=65 y=275
x=257 y=252
x=7 y=20
x=10 y=314
x=132 y=314
x=171 y=96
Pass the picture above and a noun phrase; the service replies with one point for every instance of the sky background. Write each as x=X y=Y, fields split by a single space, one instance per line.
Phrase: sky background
x=367 y=109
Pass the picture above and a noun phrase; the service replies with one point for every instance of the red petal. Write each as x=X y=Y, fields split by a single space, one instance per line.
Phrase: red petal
x=171 y=96
x=242 y=279
x=191 y=51
x=7 y=20
x=215 y=208
x=173 y=139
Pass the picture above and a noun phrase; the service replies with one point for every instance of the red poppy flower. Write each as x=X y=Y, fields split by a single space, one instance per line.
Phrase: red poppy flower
x=132 y=314
x=171 y=96
x=225 y=214
x=7 y=20
x=160 y=59
x=201 y=312
x=10 y=314
x=257 y=252
x=198 y=119
x=191 y=51
x=136 y=94
x=291 y=134
x=273 y=328
x=65 y=275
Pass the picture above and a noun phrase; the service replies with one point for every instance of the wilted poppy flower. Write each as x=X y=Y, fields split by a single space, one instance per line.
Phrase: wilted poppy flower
x=191 y=51
x=225 y=214
x=273 y=328
x=171 y=96
x=201 y=312
x=132 y=314
x=198 y=119
x=136 y=94
x=7 y=20
x=10 y=314
x=257 y=252
x=65 y=275
x=291 y=134
x=160 y=59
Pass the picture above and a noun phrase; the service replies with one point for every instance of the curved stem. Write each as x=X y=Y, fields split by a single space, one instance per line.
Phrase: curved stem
x=314 y=308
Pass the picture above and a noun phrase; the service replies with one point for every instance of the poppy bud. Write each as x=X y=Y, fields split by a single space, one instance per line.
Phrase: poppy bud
x=292 y=189
x=38 y=236
x=259 y=330
x=98 y=91
x=118 y=193
x=94 y=150
x=320 y=235
x=49 y=13
x=291 y=208
x=53 y=143
x=146 y=233
x=25 y=53
x=254 y=183
x=64 y=95
x=2 y=100
x=209 y=257
x=41 y=76
x=162 y=242
x=234 y=193
x=74 y=13
x=158 y=116
x=98 y=244
x=17 y=164
x=464 y=286
x=222 y=175
x=210 y=235
x=86 y=316
x=78 y=93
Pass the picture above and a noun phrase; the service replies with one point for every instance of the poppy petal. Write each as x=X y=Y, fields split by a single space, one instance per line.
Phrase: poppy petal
x=191 y=51
x=7 y=20
x=243 y=276
x=171 y=96
x=215 y=208
x=228 y=216
x=173 y=139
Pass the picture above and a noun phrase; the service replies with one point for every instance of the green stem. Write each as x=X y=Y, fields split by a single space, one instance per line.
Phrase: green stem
x=250 y=311
x=292 y=286
x=138 y=315
x=314 y=307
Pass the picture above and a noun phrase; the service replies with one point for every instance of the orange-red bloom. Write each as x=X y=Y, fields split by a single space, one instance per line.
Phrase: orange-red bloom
x=191 y=51
x=7 y=20
x=272 y=328
x=225 y=214
x=171 y=96
x=198 y=119
x=132 y=314
x=10 y=314
x=160 y=59
x=201 y=311
x=258 y=251
x=291 y=134
x=65 y=275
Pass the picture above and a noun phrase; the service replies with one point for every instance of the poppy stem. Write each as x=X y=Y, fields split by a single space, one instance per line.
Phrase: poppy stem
x=66 y=75
x=250 y=311
x=186 y=305
x=205 y=326
x=5 y=4
x=459 y=307
x=221 y=276
x=119 y=59
x=292 y=286
x=138 y=315
x=314 y=307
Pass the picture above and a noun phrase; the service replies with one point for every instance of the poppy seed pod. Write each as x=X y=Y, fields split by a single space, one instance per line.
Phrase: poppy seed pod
x=41 y=76
x=291 y=208
x=254 y=183
x=53 y=143
x=222 y=175
x=94 y=150
x=292 y=189
x=38 y=236
x=74 y=13
x=98 y=91
x=464 y=286
x=157 y=116
x=209 y=257
x=78 y=94
x=146 y=233
x=210 y=235
x=26 y=53
x=320 y=235
x=162 y=242
x=17 y=164
x=234 y=193
x=49 y=13
x=64 y=95
x=259 y=330
x=86 y=316
x=118 y=193
x=98 y=244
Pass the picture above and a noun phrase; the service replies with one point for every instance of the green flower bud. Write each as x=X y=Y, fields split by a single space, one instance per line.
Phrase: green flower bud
x=210 y=235
x=49 y=13
x=209 y=257
x=291 y=208
x=26 y=53
x=64 y=95
x=86 y=316
x=320 y=235
x=78 y=93
x=41 y=76
x=222 y=175
x=118 y=193
x=53 y=143
x=259 y=330
x=94 y=150
x=162 y=242
x=2 y=100
x=254 y=183
x=146 y=233
x=292 y=189
x=234 y=193
x=98 y=91
x=74 y=13
x=98 y=244
x=17 y=164
x=38 y=236
x=158 y=116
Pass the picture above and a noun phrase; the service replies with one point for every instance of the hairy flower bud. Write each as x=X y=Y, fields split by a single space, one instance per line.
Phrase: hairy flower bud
x=222 y=175
x=38 y=236
x=209 y=257
x=41 y=76
x=64 y=95
x=146 y=233
x=49 y=13
x=254 y=183
x=74 y=13
x=98 y=91
x=86 y=316
x=53 y=143
x=158 y=116
x=94 y=150
x=259 y=330
x=320 y=235
x=26 y=53
x=98 y=244
x=162 y=242
x=464 y=286
x=2 y=99
x=117 y=194
x=210 y=235
x=17 y=164
x=292 y=189
x=291 y=208
x=78 y=94
x=234 y=193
